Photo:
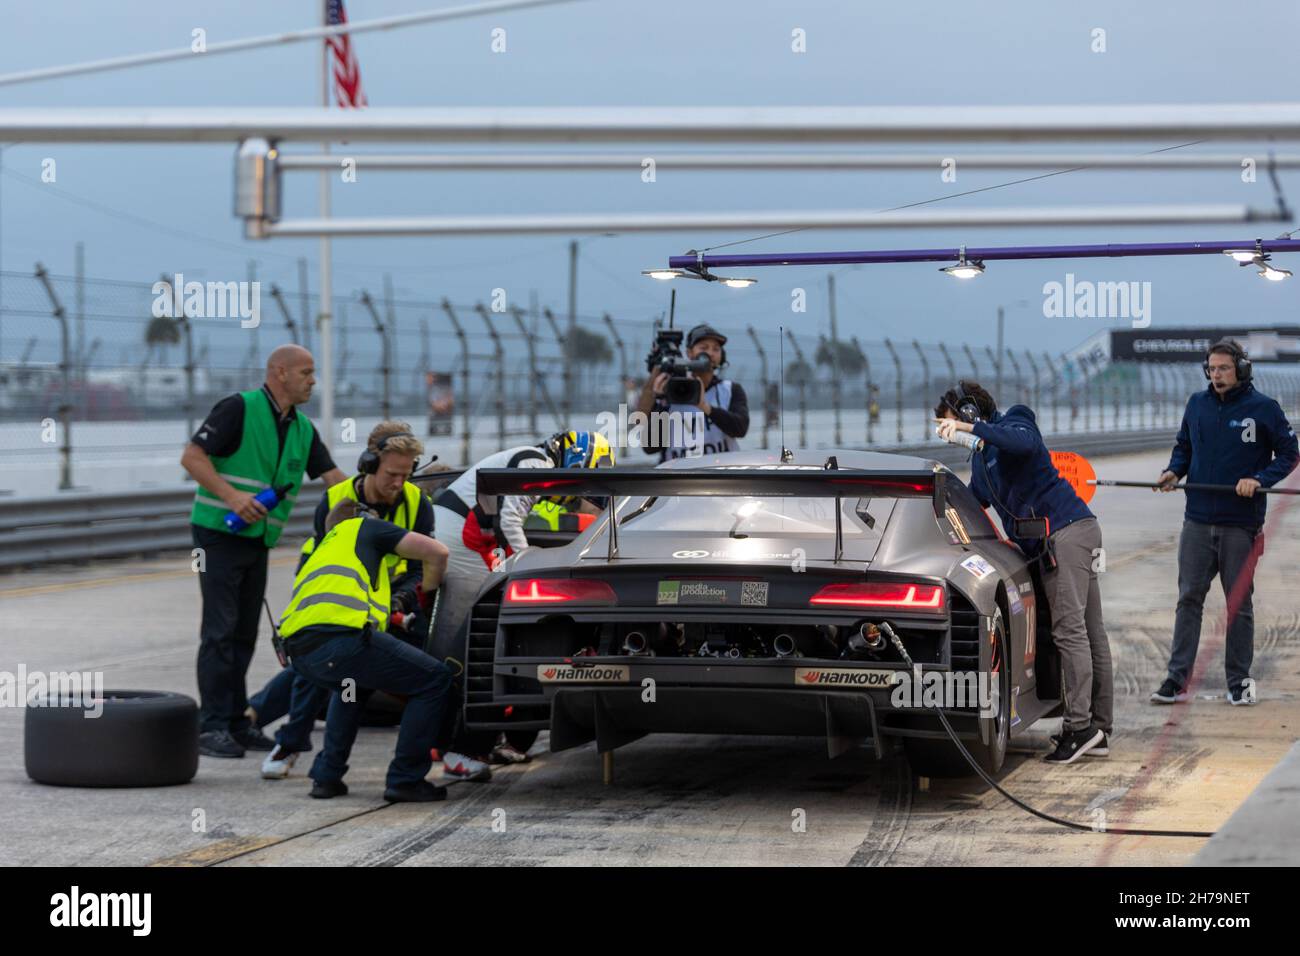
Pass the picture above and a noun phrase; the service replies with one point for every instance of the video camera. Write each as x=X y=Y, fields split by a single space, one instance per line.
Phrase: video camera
x=666 y=354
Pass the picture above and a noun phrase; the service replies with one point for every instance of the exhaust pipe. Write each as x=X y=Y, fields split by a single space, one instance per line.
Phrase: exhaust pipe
x=871 y=637
x=783 y=645
x=635 y=644
x=866 y=640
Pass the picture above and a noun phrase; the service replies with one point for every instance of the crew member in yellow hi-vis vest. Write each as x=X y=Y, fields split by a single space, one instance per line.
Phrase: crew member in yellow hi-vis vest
x=334 y=630
x=250 y=442
x=391 y=456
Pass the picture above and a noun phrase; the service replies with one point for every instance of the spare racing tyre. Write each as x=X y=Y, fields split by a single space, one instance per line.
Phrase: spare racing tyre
x=140 y=738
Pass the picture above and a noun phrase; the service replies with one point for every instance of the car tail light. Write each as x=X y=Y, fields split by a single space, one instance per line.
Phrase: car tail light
x=559 y=591
x=901 y=596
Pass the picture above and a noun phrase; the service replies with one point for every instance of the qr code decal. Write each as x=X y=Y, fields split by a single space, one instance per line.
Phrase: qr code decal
x=753 y=593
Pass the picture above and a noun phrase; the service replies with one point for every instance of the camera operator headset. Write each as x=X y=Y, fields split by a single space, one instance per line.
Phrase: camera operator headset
x=715 y=420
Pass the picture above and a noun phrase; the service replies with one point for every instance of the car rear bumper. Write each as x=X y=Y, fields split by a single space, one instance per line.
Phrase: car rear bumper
x=615 y=700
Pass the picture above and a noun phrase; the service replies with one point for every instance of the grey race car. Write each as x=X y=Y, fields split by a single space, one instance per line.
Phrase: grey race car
x=743 y=594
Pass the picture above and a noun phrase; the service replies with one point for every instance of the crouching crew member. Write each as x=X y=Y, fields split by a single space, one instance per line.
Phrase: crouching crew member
x=1231 y=435
x=334 y=632
x=1013 y=471
x=391 y=457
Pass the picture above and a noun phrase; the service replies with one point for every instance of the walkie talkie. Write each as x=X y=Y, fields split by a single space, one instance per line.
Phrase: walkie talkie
x=277 y=641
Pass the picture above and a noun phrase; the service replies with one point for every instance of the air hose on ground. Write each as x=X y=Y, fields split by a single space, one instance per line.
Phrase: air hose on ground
x=1086 y=828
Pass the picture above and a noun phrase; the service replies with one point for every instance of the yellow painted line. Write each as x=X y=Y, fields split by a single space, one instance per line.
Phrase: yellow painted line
x=217 y=852
x=119 y=579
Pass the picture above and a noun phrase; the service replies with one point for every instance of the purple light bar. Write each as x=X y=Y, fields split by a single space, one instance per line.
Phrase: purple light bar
x=981 y=253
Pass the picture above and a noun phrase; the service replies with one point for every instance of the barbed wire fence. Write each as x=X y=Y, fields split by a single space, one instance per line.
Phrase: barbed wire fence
x=127 y=384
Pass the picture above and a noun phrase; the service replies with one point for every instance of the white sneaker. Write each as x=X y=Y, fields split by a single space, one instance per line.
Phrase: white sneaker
x=467 y=768
x=277 y=764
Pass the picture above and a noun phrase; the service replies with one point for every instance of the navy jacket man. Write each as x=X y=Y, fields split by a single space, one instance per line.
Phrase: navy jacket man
x=1236 y=436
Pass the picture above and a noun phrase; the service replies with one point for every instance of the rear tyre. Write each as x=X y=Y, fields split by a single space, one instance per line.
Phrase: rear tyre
x=941 y=758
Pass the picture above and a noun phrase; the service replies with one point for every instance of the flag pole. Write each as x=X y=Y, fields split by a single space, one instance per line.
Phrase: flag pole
x=325 y=321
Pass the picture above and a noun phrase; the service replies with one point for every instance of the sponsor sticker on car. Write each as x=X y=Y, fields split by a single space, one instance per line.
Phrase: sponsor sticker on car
x=978 y=567
x=844 y=677
x=737 y=593
x=596 y=674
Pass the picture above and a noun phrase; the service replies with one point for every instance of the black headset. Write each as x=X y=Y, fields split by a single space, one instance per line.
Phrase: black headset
x=965 y=408
x=368 y=463
x=721 y=346
x=1239 y=358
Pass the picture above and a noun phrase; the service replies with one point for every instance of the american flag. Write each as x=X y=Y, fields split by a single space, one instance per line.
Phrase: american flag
x=347 y=72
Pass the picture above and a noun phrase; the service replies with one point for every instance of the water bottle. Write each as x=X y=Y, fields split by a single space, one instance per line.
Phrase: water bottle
x=269 y=497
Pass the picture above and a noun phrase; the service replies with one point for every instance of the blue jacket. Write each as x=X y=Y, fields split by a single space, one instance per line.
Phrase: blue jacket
x=1211 y=448
x=1018 y=478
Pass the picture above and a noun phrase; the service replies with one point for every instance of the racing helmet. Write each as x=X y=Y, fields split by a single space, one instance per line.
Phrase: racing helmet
x=574 y=449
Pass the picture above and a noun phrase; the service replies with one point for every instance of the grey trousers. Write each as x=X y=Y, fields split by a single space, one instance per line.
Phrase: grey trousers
x=1074 y=595
x=1205 y=550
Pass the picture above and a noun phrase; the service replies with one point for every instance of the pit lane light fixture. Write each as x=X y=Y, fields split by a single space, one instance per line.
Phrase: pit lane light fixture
x=698 y=271
x=1258 y=257
x=964 y=269
x=731 y=282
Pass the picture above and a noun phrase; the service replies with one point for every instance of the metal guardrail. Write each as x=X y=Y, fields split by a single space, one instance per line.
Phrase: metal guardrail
x=81 y=527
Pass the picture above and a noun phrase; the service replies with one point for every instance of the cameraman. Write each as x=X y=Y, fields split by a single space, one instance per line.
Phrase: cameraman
x=709 y=425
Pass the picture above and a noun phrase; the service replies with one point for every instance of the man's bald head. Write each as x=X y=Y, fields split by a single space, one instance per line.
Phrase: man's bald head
x=288 y=356
x=290 y=374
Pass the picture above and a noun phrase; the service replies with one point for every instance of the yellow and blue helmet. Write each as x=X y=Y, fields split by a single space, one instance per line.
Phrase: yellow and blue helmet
x=574 y=449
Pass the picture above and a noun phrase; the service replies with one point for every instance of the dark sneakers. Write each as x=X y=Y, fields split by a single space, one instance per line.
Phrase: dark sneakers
x=422 y=792
x=325 y=789
x=1243 y=695
x=219 y=743
x=250 y=738
x=1169 y=693
x=1073 y=744
x=1101 y=750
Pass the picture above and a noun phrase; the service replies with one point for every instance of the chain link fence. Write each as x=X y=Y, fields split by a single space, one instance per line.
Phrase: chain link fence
x=98 y=391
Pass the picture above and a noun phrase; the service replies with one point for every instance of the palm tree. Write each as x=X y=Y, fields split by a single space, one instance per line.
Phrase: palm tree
x=586 y=350
x=160 y=333
x=798 y=373
x=850 y=360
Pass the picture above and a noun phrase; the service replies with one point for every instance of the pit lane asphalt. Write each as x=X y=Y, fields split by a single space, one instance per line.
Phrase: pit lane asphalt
x=676 y=800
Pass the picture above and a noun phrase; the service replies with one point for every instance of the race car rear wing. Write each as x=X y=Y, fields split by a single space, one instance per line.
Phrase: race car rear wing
x=782 y=481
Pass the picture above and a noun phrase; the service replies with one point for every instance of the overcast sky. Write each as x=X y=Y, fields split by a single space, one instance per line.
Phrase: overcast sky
x=671 y=52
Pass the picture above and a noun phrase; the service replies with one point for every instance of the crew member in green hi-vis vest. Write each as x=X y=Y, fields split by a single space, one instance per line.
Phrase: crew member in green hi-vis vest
x=250 y=441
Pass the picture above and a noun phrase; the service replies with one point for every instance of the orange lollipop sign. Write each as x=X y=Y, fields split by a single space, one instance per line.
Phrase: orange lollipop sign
x=1075 y=469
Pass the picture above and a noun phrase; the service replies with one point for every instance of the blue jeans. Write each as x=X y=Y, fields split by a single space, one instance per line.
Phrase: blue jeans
x=387 y=664
x=290 y=693
x=273 y=701
x=1206 y=550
